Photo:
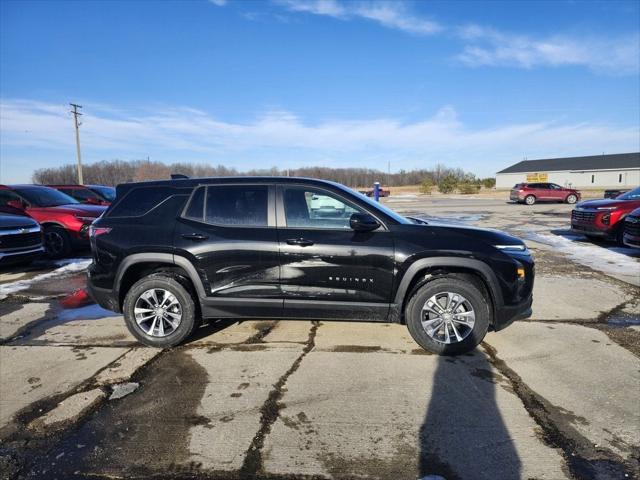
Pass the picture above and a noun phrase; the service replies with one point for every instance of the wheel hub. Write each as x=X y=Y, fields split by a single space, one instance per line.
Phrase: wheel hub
x=448 y=317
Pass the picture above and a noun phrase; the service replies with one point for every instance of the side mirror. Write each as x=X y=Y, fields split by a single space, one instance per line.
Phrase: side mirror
x=17 y=204
x=363 y=222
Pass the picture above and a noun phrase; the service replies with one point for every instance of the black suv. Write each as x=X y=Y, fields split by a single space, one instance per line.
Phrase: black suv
x=169 y=253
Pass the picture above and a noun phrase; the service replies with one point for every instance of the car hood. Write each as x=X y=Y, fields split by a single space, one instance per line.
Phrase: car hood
x=487 y=235
x=16 y=221
x=75 y=209
x=635 y=213
x=603 y=202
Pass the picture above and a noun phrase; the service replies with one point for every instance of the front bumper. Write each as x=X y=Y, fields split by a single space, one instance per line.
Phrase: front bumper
x=508 y=314
x=631 y=240
x=19 y=256
x=592 y=230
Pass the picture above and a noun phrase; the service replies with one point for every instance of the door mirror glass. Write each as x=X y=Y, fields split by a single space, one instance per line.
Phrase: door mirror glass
x=363 y=222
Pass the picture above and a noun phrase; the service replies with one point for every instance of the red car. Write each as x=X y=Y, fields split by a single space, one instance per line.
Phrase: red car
x=82 y=194
x=531 y=193
x=603 y=218
x=65 y=221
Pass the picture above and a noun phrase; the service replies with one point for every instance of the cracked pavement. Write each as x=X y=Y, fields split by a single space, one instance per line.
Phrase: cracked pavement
x=556 y=396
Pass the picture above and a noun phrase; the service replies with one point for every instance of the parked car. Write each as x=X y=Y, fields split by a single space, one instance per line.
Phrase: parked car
x=20 y=239
x=614 y=193
x=531 y=193
x=65 y=221
x=169 y=252
x=631 y=235
x=82 y=194
x=603 y=218
x=107 y=193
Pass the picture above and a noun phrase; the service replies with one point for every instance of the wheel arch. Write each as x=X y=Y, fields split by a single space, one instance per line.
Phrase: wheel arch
x=136 y=266
x=424 y=270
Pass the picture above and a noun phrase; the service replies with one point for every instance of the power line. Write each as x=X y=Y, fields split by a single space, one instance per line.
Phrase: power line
x=77 y=124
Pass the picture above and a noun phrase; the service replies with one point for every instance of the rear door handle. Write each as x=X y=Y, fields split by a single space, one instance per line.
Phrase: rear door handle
x=195 y=236
x=301 y=242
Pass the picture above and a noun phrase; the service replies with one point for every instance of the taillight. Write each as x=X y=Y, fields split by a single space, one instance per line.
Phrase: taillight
x=97 y=231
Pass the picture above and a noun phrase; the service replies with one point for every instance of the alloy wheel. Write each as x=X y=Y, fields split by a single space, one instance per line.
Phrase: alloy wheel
x=448 y=317
x=54 y=243
x=158 y=312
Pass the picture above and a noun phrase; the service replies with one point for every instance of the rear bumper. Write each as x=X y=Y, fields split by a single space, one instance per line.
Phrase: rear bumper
x=103 y=297
x=506 y=315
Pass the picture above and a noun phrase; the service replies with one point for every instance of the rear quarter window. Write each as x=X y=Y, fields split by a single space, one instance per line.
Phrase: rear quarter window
x=139 y=201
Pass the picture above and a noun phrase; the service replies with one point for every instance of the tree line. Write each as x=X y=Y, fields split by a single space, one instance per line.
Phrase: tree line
x=113 y=172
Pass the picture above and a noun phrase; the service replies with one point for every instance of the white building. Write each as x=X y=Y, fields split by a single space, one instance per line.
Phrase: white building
x=620 y=170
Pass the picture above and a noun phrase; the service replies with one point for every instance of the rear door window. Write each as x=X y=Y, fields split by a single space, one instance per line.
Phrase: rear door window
x=237 y=205
x=140 y=201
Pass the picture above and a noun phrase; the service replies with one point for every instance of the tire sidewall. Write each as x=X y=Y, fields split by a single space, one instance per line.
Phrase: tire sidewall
x=474 y=295
x=187 y=324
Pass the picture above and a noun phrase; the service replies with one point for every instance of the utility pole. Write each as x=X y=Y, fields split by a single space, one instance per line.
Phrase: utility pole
x=77 y=124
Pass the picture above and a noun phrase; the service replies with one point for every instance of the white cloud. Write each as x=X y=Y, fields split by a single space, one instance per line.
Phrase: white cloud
x=281 y=138
x=489 y=47
x=219 y=3
x=390 y=14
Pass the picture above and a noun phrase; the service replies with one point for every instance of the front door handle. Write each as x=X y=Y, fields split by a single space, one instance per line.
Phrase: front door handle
x=198 y=237
x=301 y=242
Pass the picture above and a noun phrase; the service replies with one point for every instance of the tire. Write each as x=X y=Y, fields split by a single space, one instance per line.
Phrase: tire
x=529 y=199
x=167 y=331
x=571 y=199
x=474 y=299
x=57 y=242
x=620 y=234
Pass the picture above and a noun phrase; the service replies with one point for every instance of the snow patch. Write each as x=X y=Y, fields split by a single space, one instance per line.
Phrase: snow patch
x=614 y=261
x=68 y=266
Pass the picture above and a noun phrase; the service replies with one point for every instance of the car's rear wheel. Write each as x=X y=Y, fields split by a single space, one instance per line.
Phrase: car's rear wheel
x=159 y=311
x=529 y=199
x=448 y=316
x=571 y=199
x=57 y=242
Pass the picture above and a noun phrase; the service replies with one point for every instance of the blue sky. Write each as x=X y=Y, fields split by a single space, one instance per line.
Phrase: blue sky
x=288 y=83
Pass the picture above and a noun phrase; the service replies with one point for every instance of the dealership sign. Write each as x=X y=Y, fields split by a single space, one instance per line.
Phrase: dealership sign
x=537 y=177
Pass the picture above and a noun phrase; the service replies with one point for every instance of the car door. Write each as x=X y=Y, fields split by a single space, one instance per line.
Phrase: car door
x=327 y=269
x=228 y=231
x=556 y=192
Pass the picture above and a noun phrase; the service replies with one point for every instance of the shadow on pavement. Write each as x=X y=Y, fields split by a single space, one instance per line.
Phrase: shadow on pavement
x=463 y=434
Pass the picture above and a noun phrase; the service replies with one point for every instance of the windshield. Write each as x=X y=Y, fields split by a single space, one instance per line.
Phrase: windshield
x=44 y=196
x=632 y=195
x=108 y=193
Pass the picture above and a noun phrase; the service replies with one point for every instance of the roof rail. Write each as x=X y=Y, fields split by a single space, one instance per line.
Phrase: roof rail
x=178 y=176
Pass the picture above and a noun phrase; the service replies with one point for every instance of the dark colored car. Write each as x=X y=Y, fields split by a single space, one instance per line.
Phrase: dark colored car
x=168 y=253
x=614 y=193
x=65 y=221
x=384 y=192
x=82 y=194
x=631 y=236
x=531 y=193
x=20 y=239
x=108 y=194
x=603 y=218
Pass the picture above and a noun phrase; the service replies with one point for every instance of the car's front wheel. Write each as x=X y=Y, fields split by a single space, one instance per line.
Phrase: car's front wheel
x=448 y=316
x=57 y=242
x=159 y=311
x=571 y=199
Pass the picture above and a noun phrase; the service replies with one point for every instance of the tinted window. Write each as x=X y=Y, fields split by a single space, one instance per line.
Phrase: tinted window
x=140 y=200
x=108 y=193
x=195 y=210
x=44 y=196
x=310 y=208
x=237 y=205
x=632 y=195
x=7 y=196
